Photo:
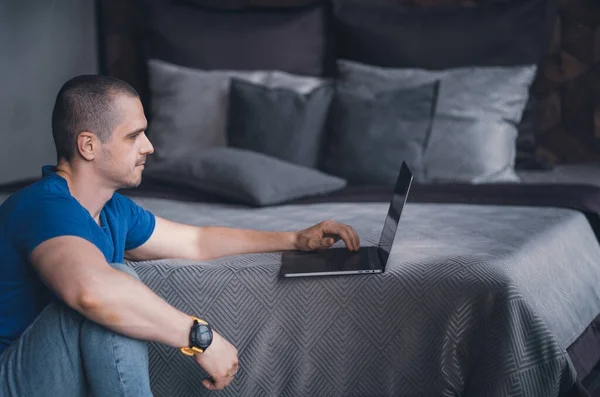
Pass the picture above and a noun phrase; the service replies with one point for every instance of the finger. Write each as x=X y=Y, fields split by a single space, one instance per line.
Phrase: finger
x=233 y=371
x=354 y=237
x=327 y=242
x=337 y=229
x=324 y=245
x=345 y=235
x=222 y=383
x=331 y=227
x=333 y=236
x=357 y=237
x=208 y=384
x=314 y=244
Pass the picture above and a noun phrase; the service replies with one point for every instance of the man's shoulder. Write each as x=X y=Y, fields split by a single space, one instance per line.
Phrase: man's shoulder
x=42 y=193
x=44 y=188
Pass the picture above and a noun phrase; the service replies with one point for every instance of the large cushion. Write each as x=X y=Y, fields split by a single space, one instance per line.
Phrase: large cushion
x=371 y=133
x=247 y=177
x=280 y=122
x=474 y=131
x=292 y=40
x=495 y=33
x=189 y=106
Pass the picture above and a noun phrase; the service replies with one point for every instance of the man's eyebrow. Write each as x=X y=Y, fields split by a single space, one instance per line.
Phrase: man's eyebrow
x=139 y=130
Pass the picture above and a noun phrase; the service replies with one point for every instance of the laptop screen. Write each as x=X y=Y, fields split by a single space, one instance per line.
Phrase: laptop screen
x=393 y=217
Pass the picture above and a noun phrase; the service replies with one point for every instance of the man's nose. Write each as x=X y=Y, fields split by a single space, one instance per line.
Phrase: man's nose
x=148 y=148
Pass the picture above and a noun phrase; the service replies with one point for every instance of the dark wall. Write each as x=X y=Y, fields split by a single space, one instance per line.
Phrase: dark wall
x=42 y=44
x=568 y=86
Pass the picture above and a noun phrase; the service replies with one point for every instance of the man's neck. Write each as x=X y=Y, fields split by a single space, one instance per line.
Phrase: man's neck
x=86 y=187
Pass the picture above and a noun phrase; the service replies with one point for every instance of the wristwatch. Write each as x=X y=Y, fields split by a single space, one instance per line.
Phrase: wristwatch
x=200 y=337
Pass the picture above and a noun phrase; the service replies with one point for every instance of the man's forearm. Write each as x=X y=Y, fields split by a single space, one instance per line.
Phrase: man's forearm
x=125 y=305
x=217 y=241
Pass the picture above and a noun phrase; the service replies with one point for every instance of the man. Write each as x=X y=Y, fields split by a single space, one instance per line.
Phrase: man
x=73 y=319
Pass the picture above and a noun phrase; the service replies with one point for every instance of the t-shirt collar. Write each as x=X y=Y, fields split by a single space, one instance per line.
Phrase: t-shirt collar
x=49 y=171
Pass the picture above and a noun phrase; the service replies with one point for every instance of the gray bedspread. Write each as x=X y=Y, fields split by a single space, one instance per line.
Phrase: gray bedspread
x=476 y=301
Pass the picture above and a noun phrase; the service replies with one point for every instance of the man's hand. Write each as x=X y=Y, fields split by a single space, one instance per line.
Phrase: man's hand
x=325 y=234
x=220 y=361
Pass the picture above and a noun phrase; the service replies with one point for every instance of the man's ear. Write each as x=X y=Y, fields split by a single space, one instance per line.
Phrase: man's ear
x=87 y=145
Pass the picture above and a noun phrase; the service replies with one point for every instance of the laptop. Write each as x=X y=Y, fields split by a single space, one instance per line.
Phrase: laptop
x=341 y=261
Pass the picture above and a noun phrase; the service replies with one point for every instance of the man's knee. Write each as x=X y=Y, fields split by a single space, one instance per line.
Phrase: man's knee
x=125 y=268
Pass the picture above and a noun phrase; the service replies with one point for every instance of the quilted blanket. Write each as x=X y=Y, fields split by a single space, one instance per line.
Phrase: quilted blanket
x=475 y=301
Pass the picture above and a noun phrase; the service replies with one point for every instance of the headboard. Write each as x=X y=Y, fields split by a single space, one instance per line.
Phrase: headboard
x=124 y=49
x=122 y=52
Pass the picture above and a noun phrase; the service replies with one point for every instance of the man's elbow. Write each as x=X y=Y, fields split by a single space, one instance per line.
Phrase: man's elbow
x=95 y=308
x=86 y=301
x=99 y=300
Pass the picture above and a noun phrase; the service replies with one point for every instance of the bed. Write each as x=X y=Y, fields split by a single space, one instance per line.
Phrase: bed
x=489 y=291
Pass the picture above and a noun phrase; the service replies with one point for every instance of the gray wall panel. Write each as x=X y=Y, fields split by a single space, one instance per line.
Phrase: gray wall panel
x=42 y=44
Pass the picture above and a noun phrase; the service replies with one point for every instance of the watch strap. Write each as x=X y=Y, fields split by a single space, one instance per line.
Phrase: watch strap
x=190 y=350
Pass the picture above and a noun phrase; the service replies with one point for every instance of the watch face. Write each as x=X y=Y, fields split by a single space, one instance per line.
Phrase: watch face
x=203 y=336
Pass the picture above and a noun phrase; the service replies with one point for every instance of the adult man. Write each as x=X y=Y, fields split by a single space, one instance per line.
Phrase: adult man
x=72 y=318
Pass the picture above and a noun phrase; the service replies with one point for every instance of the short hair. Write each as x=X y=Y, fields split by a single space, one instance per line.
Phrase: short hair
x=86 y=103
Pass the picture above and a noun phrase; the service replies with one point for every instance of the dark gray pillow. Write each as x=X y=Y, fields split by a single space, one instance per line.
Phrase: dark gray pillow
x=279 y=122
x=189 y=106
x=247 y=177
x=372 y=133
x=474 y=132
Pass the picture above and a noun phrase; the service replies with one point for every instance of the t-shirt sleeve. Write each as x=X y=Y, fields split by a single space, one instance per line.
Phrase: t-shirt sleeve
x=140 y=222
x=49 y=216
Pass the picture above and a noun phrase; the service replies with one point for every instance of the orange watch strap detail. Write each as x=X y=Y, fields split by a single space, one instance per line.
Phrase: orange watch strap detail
x=191 y=350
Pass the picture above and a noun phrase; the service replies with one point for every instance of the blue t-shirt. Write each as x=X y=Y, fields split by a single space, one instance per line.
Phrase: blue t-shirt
x=41 y=211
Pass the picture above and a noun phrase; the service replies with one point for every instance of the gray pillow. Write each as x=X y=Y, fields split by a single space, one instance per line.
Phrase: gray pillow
x=370 y=134
x=474 y=132
x=189 y=106
x=247 y=177
x=278 y=122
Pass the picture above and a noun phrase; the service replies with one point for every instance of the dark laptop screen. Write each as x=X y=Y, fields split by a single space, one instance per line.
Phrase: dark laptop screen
x=393 y=217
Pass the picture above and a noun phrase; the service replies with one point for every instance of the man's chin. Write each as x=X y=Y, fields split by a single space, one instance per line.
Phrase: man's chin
x=136 y=183
x=131 y=184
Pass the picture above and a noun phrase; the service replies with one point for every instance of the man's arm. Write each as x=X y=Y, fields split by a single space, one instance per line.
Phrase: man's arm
x=78 y=273
x=177 y=240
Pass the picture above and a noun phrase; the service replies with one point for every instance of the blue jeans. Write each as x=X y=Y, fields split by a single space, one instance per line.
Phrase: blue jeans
x=64 y=354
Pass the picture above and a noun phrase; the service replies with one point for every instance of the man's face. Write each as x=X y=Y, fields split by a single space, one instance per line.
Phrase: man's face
x=124 y=154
